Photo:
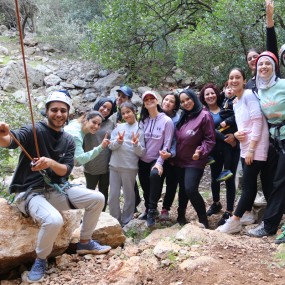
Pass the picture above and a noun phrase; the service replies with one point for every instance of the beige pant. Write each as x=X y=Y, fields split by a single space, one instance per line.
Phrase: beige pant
x=45 y=209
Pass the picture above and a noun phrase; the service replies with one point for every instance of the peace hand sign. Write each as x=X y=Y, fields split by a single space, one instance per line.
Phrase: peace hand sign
x=120 y=138
x=135 y=138
x=105 y=141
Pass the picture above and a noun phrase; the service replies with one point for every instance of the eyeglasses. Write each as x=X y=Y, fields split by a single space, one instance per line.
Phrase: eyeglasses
x=252 y=57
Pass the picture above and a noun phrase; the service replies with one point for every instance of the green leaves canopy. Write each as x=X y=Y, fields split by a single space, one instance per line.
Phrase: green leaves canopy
x=205 y=38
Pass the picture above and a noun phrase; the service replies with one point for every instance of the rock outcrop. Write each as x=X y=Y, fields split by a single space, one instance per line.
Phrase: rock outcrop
x=108 y=231
x=12 y=77
x=19 y=235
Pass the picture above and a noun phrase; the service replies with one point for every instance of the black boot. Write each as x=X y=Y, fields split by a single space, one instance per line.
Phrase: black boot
x=204 y=220
x=181 y=219
x=151 y=215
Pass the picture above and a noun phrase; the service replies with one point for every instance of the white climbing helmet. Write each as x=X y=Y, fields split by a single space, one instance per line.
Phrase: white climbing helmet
x=60 y=97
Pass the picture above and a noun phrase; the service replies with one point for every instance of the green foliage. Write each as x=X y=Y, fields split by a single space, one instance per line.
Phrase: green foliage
x=6 y=59
x=140 y=35
x=280 y=256
x=137 y=234
x=82 y=11
x=131 y=233
x=62 y=22
x=222 y=39
x=205 y=38
x=5 y=39
x=58 y=30
x=149 y=37
x=16 y=115
x=2 y=18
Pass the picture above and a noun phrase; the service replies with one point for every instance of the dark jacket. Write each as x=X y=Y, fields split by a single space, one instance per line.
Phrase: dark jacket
x=58 y=146
x=227 y=114
x=195 y=132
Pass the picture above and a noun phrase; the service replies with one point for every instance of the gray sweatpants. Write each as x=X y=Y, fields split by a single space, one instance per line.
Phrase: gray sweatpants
x=126 y=179
x=44 y=209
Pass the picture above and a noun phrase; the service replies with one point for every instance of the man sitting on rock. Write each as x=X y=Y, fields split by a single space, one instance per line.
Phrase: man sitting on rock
x=41 y=187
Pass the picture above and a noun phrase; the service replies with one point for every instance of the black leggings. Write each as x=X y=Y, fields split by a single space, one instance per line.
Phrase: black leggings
x=189 y=179
x=217 y=167
x=169 y=174
x=250 y=174
x=151 y=184
x=103 y=184
x=276 y=203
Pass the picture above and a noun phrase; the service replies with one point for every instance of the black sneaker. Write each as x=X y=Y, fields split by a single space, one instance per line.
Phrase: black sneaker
x=143 y=216
x=224 y=217
x=214 y=209
x=181 y=220
x=151 y=215
x=204 y=221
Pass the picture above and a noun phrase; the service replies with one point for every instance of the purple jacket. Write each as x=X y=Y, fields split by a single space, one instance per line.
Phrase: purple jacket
x=197 y=132
x=158 y=133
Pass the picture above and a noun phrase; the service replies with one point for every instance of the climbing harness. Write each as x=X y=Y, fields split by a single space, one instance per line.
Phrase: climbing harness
x=278 y=144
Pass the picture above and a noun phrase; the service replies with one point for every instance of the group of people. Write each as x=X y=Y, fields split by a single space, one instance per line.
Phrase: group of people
x=171 y=141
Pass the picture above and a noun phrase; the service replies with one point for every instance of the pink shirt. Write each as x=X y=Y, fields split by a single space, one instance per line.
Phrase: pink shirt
x=250 y=120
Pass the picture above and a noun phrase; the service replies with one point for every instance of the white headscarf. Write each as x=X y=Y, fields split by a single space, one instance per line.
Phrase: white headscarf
x=265 y=84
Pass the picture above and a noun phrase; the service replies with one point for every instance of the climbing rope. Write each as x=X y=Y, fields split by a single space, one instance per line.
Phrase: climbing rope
x=59 y=188
x=26 y=77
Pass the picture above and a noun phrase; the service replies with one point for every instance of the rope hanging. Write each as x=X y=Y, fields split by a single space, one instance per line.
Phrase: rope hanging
x=27 y=81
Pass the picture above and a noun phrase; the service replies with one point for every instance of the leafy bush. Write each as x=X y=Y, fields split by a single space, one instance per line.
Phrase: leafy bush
x=16 y=115
x=62 y=23
x=205 y=38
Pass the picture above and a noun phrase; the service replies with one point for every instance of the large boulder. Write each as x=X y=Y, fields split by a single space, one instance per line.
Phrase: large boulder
x=4 y=51
x=19 y=235
x=12 y=77
x=105 y=84
x=108 y=231
x=52 y=80
x=3 y=29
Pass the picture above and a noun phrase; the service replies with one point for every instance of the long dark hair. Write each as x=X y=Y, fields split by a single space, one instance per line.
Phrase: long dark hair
x=241 y=71
x=198 y=107
x=176 y=98
x=145 y=114
x=216 y=89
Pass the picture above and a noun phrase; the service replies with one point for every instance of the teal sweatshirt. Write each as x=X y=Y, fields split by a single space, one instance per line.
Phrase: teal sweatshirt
x=80 y=157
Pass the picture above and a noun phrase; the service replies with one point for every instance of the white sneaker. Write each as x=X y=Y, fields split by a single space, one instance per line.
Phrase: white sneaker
x=260 y=200
x=247 y=219
x=231 y=226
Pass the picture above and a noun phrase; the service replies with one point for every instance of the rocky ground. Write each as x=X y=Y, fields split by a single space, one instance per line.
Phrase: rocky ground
x=170 y=254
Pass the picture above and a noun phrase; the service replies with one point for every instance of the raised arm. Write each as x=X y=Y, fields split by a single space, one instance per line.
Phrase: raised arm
x=271 y=39
x=5 y=138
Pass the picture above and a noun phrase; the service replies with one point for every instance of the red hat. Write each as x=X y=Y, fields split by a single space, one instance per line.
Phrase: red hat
x=152 y=93
x=269 y=54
